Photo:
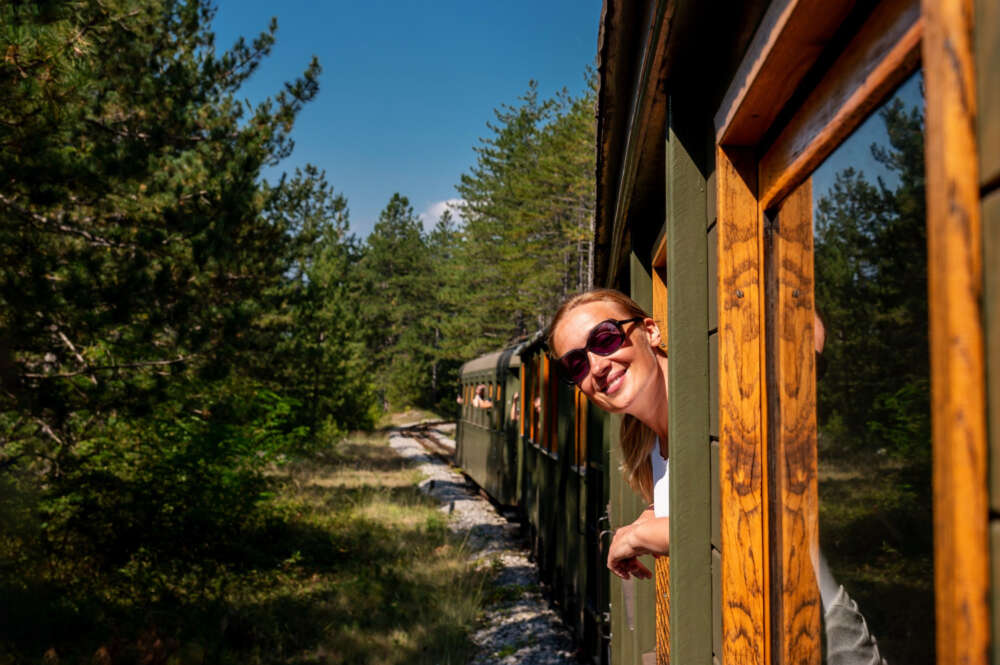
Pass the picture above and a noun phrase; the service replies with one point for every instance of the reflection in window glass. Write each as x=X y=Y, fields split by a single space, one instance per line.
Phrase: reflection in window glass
x=873 y=377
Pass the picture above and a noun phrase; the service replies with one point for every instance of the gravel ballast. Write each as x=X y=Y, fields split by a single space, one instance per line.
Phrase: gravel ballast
x=519 y=627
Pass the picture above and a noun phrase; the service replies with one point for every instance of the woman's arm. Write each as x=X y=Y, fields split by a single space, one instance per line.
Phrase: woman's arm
x=646 y=535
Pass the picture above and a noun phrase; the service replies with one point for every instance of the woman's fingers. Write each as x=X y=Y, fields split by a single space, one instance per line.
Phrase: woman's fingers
x=639 y=570
x=626 y=568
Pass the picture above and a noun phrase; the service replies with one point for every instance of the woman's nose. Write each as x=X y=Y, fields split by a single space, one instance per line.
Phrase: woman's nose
x=599 y=365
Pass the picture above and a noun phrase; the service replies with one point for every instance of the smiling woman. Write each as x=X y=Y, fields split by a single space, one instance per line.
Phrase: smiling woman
x=610 y=348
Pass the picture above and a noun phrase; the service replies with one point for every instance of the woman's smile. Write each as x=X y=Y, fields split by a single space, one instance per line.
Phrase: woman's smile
x=614 y=381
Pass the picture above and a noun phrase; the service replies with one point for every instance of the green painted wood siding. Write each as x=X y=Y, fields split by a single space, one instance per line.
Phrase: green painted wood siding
x=987 y=45
x=690 y=447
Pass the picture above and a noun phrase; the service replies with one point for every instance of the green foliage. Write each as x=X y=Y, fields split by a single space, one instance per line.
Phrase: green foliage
x=873 y=400
x=170 y=326
x=397 y=303
x=310 y=325
x=871 y=290
x=431 y=301
x=529 y=213
x=351 y=562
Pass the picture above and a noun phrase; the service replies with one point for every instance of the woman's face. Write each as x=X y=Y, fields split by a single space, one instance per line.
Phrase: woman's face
x=616 y=380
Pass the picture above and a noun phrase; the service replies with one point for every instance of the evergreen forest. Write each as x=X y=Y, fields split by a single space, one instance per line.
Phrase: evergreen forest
x=177 y=332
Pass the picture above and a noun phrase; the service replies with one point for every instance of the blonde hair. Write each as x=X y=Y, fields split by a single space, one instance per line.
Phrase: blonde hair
x=636 y=437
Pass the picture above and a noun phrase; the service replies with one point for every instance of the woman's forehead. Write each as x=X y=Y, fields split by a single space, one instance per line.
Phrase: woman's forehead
x=572 y=331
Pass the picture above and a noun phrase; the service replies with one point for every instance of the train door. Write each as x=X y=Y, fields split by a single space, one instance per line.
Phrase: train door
x=840 y=246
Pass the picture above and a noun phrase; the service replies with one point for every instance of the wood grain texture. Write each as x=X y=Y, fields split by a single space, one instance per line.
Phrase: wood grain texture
x=791 y=398
x=884 y=52
x=790 y=38
x=663 y=610
x=958 y=421
x=550 y=399
x=987 y=40
x=581 y=406
x=660 y=303
x=742 y=423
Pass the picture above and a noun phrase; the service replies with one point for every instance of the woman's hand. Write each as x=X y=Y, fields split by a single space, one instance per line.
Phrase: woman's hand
x=647 y=535
x=622 y=555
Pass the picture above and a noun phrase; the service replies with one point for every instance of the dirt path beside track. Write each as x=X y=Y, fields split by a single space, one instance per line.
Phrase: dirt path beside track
x=519 y=626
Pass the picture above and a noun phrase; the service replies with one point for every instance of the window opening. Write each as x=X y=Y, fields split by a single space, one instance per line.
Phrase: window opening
x=865 y=206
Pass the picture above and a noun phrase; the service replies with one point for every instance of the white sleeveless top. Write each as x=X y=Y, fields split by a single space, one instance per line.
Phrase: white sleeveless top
x=661 y=482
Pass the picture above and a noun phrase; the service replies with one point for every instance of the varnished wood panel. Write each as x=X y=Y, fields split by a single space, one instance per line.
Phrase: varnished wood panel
x=958 y=422
x=663 y=610
x=790 y=38
x=884 y=52
x=792 y=431
x=660 y=295
x=987 y=40
x=742 y=424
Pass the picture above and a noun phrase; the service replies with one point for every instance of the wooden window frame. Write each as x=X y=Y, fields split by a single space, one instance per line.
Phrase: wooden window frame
x=580 y=405
x=660 y=291
x=522 y=396
x=661 y=567
x=759 y=165
x=550 y=406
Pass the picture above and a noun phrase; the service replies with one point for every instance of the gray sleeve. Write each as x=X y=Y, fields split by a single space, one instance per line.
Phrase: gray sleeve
x=848 y=641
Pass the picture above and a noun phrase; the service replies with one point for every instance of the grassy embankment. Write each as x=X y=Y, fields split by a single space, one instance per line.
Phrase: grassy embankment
x=352 y=564
x=875 y=529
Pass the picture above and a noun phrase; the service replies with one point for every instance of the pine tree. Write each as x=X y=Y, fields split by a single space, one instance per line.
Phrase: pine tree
x=871 y=291
x=396 y=302
x=144 y=275
x=529 y=211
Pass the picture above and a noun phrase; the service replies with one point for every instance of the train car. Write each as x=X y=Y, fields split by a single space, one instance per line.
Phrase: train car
x=785 y=185
x=530 y=450
x=486 y=438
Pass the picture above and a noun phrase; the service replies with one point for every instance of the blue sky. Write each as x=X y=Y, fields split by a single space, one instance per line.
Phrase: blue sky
x=408 y=87
x=856 y=150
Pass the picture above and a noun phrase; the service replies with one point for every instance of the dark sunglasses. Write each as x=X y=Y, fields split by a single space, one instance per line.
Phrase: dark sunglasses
x=604 y=339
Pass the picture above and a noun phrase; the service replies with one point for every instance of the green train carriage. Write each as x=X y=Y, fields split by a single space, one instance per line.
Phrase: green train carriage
x=533 y=453
x=718 y=131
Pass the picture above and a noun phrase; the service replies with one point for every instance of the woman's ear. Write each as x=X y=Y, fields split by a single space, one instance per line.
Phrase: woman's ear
x=652 y=332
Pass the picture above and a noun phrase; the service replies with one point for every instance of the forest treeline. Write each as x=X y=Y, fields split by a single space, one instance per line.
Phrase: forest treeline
x=172 y=324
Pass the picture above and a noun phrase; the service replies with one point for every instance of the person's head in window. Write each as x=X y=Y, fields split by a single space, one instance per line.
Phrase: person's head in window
x=610 y=348
x=480 y=400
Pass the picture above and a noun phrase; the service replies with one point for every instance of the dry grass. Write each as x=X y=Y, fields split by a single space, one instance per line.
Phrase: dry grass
x=354 y=565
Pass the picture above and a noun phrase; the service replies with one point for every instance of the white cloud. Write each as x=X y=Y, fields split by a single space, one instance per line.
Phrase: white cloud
x=429 y=217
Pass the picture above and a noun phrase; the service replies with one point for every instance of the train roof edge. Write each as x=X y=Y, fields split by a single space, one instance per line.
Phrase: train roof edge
x=512 y=354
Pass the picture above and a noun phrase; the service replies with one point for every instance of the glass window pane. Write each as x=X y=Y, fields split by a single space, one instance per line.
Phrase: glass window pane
x=874 y=452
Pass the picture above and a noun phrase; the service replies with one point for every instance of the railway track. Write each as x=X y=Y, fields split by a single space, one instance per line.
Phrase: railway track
x=422 y=434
